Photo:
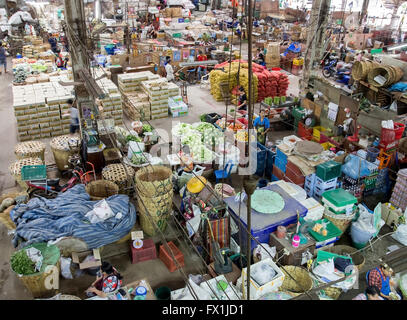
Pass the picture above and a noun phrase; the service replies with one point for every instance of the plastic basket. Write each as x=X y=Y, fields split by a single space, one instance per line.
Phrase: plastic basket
x=333 y=231
x=167 y=257
x=29 y=173
x=147 y=252
x=325 y=255
x=328 y=170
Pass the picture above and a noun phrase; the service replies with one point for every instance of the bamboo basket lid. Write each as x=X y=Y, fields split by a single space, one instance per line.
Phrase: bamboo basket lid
x=29 y=147
x=117 y=172
x=63 y=142
x=15 y=168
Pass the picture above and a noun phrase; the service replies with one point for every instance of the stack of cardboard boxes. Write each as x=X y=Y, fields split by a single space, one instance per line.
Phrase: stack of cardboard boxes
x=273 y=55
x=158 y=93
x=39 y=110
x=131 y=82
x=137 y=107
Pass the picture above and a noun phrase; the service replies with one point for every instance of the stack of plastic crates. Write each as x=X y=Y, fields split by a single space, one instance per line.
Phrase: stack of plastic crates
x=398 y=197
x=354 y=186
x=382 y=182
x=370 y=180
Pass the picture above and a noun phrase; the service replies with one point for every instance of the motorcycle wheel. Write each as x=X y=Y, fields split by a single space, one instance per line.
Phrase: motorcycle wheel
x=326 y=73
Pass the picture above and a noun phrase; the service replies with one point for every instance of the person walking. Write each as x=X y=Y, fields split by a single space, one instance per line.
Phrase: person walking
x=3 y=58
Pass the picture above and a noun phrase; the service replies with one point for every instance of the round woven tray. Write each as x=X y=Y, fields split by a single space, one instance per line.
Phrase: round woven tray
x=61 y=142
x=30 y=149
x=341 y=221
x=15 y=169
x=303 y=281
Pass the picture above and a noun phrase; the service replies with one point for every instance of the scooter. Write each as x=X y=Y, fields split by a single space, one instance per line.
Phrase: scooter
x=329 y=68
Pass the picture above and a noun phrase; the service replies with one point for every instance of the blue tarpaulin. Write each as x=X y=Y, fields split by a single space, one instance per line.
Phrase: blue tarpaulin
x=42 y=220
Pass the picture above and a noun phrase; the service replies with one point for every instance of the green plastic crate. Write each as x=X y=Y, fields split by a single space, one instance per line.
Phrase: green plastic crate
x=176 y=35
x=325 y=255
x=38 y=172
x=328 y=170
x=340 y=197
x=333 y=231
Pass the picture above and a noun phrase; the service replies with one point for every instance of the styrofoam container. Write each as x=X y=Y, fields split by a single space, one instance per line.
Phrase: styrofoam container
x=256 y=291
x=135 y=147
x=229 y=294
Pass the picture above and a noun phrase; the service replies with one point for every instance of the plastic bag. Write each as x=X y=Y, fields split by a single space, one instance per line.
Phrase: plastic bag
x=263 y=274
x=355 y=167
x=66 y=268
x=401 y=234
x=368 y=224
x=264 y=253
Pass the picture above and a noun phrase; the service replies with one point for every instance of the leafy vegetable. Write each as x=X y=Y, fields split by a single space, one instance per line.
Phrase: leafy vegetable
x=138 y=159
x=21 y=263
x=201 y=127
x=133 y=138
x=147 y=128
x=181 y=129
x=203 y=117
x=202 y=154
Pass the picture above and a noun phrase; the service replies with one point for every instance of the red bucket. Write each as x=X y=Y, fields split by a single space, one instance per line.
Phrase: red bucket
x=399 y=130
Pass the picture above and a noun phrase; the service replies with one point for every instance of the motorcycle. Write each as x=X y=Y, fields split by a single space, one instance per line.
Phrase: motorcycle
x=329 y=67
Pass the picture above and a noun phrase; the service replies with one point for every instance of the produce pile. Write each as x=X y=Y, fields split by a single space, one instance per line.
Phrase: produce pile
x=266 y=83
x=21 y=73
x=209 y=133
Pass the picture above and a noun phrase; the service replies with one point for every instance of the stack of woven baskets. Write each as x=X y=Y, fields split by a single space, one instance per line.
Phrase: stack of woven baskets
x=154 y=197
x=121 y=174
x=15 y=169
x=390 y=73
x=30 y=149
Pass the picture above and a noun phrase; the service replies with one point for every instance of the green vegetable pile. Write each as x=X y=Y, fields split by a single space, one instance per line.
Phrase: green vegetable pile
x=182 y=129
x=147 y=128
x=202 y=154
x=138 y=159
x=133 y=138
x=21 y=263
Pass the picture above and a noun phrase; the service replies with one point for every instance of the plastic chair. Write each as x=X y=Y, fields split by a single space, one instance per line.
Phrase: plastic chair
x=205 y=84
x=225 y=173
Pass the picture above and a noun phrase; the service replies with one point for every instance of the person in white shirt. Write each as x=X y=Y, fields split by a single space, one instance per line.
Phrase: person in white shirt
x=169 y=70
x=74 y=113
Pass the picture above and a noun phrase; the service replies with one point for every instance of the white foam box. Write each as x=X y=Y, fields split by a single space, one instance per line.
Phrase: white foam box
x=325 y=184
x=19 y=113
x=256 y=290
x=26 y=138
x=55 y=119
x=54 y=113
x=160 y=116
x=45 y=135
x=108 y=108
x=35 y=131
x=117 y=112
x=54 y=107
x=66 y=121
x=159 y=102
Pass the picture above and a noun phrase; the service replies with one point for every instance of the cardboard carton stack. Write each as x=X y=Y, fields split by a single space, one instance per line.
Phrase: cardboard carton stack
x=131 y=82
x=137 y=106
x=273 y=55
x=39 y=108
x=112 y=103
x=157 y=91
x=173 y=90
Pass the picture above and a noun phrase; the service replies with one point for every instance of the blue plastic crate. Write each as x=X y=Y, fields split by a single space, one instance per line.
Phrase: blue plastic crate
x=269 y=160
x=264 y=224
x=261 y=160
x=280 y=164
x=282 y=156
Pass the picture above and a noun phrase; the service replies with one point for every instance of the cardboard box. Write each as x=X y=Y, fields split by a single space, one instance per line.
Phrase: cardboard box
x=176 y=13
x=78 y=257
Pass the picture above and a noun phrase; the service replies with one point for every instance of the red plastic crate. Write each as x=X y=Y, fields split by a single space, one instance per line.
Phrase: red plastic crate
x=244 y=121
x=304 y=132
x=147 y=252
x=167 y=257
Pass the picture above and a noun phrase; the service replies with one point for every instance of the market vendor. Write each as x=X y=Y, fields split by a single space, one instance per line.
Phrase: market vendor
x=262 y=126
x=260 y=57
x=107 y=281
x=53 y=42
x=168 y=69
x=3 y=57
x=201 y=69
x=381 y=278
x=242 y=99
x=371 y=293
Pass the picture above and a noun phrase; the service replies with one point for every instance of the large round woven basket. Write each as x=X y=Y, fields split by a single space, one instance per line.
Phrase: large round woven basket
x=63 y=147
x=302 y=283
x=390 y=73
x=343 y=250
x=30 y=149
x=101 y=189
x=15 y=169
x=5 y=218
x=152 y=181
x=154 y=212
x=361 y=69
x=120 y=174
x=37 y=282
x=341 y=221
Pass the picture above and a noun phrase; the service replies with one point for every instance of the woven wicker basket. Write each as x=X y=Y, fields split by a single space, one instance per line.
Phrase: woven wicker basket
x=343 y=250
x=30 y=149
x=341 y=221
x=6 y=219
x=361 y=69
x=120 y=174
x=392 y=75
x=303 y=281
x=101 y=189
x=35 y=283
x=62 y=152
x=153 y=211
x=332 y=292
x=15 y=169
x=152 y=181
